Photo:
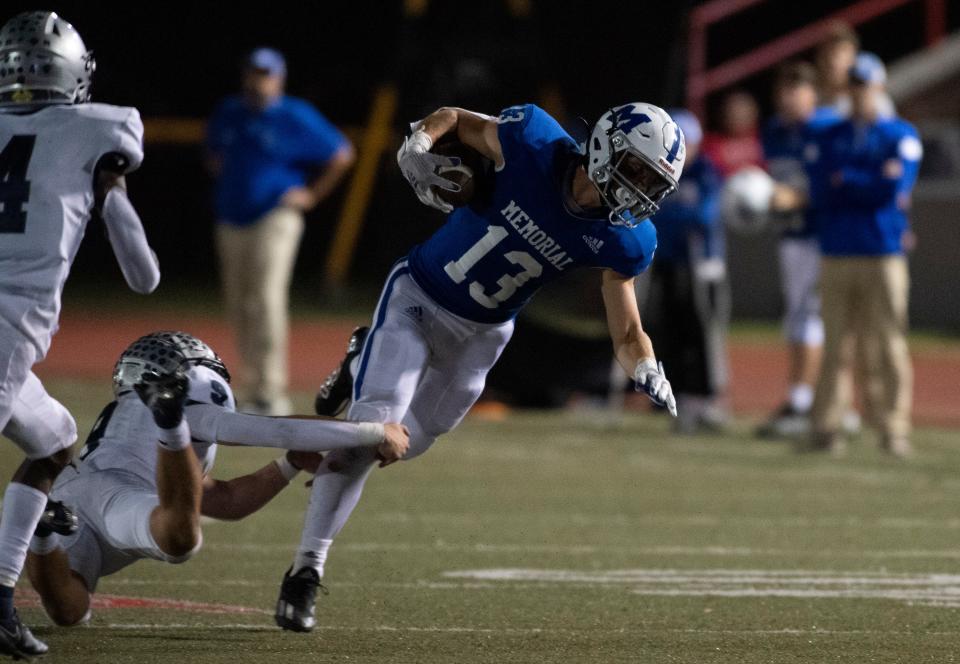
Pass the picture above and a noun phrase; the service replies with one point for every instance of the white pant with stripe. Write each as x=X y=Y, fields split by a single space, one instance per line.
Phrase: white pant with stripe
x=421 y=365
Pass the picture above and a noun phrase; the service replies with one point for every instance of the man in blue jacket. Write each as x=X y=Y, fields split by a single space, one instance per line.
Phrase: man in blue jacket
x=862 y=171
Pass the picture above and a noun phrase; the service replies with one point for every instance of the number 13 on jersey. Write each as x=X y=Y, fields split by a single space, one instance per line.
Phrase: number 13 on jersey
x=509 y=283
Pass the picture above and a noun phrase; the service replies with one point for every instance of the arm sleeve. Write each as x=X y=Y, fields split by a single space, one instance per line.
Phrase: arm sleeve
x=874 y=187
x=127 y=139
x=137 y=260
x=215 y=424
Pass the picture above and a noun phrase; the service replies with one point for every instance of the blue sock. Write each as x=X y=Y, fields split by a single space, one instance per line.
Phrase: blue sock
x=6 y=605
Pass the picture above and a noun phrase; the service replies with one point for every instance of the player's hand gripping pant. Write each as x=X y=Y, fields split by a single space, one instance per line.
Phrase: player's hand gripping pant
x=422 y=365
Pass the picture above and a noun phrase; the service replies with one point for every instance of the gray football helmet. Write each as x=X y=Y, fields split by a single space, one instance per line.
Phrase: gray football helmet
x=43 y=61
x=163 y=352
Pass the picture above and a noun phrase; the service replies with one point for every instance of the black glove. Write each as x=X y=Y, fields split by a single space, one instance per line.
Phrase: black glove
x=164 y=395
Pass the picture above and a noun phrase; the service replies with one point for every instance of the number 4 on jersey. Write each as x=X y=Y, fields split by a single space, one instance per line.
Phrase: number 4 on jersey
x=14 y=186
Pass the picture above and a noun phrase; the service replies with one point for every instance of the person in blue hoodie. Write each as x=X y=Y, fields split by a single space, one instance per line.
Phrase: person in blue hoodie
x=862 y=171
x=688 y=288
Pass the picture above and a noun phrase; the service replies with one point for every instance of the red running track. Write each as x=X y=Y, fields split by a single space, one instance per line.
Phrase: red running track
x=88 y=344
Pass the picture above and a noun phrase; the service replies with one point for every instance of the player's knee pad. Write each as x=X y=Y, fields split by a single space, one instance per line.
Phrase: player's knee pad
x=804 y=328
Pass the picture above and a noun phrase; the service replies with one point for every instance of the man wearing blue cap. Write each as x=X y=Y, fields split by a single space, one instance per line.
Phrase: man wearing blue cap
x=274 y=158
x=862 y=171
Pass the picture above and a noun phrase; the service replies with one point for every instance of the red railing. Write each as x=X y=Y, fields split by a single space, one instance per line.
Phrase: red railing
x=702 y=81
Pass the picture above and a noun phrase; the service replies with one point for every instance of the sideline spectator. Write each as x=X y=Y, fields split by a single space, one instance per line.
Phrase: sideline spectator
x=862 y=171
x=688 y=299
x=834 y=57
x=784 y=138
x=274 y=158
x=737 y=144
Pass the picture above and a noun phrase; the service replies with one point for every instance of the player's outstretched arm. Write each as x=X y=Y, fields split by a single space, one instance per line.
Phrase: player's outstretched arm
x=301 y=433
x=242 y=496
x=631 y=345
x=137 y=260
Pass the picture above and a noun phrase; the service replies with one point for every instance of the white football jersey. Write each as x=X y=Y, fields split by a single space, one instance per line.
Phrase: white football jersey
x=47 y=162
x=125 y=435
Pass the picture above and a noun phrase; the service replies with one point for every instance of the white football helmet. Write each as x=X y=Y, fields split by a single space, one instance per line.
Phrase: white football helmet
x=635 y=157
x=43 y=61
x=745 y=200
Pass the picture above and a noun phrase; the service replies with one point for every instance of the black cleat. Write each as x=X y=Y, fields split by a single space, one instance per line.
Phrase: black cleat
x=18 y=642
x=335 y=393
x=298 y=600
x=56 y=518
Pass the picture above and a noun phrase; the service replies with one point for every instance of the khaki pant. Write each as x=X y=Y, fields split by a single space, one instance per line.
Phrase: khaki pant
x=864 y=304
x=256 y=263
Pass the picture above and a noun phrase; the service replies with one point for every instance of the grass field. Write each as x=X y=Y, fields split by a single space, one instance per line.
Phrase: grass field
x=551 y=538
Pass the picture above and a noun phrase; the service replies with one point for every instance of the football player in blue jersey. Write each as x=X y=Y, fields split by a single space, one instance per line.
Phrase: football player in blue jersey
x=448 y=307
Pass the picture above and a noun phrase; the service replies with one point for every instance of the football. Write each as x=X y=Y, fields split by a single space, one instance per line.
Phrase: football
x=472 y=174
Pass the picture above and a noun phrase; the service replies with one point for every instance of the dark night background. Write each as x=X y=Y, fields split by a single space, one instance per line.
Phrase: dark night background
x=178 y=59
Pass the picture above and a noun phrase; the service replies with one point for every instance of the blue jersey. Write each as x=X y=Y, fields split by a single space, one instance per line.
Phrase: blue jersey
x=265 y=153
x=695 y=208
x=783 y=150
x=861 y=176
x=485 y=264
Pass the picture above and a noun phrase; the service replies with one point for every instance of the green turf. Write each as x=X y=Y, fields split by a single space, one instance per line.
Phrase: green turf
x=561 y=492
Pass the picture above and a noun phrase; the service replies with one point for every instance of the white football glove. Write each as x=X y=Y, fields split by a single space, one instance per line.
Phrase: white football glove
x=421 y=169
x=650 y=378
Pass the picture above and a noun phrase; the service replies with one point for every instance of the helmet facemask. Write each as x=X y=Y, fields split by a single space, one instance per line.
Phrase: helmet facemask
x=629 y=185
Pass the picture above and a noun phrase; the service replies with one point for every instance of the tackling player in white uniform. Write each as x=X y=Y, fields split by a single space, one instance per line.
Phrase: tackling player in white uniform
x=62 y=159
x=135 y=500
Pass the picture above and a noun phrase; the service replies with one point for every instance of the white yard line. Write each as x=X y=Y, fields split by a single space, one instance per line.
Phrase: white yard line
x=585 y=549
x=509 y=630
x=934 y=590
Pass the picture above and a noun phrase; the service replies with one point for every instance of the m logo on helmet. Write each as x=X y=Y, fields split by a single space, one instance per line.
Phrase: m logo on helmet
x=674 y=145
x=625 y=119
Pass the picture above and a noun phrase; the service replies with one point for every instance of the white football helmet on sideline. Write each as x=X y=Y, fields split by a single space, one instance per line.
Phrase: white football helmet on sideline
x=43 y=60
x=634 y=158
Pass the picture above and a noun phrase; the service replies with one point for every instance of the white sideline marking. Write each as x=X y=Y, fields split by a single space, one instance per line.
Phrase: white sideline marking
x=938 y=590
x=508 y=630
x=576 y=549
